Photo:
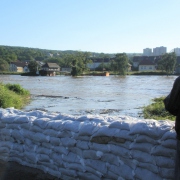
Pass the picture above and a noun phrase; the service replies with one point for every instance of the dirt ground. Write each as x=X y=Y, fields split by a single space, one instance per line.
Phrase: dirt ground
x=15 y=171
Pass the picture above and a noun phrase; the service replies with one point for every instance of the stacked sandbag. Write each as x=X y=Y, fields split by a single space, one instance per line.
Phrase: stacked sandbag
x=88 y=147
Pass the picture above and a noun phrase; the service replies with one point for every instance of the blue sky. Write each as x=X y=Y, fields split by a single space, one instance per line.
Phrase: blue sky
x=108 y=26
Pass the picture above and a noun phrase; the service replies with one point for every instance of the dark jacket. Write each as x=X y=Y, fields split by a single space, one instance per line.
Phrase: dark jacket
x=174 y=103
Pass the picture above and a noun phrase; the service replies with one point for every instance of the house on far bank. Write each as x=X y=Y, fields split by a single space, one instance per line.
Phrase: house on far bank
x=18 y=67
x=49 y=69
x=147 y=65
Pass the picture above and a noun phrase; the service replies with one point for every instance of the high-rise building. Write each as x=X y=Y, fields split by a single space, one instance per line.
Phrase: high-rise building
x=147 y=52
x=158 y=51
x=177 y=51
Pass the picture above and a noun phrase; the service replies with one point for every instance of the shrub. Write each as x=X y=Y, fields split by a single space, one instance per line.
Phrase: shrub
x=10 y=98
x=157 y=111
x=17 y=89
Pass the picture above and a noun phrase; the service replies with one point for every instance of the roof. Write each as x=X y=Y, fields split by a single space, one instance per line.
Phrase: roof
x=19 y=64
x=51 y=65
x=146 y=62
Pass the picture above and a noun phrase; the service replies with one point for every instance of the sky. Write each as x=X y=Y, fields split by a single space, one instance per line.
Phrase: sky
x=103 y=26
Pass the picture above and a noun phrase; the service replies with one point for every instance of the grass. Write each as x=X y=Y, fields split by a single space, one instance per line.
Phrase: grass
x=13 y=95
x=157 y=111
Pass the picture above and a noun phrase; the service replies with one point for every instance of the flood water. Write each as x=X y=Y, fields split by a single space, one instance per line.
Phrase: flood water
x=113 y=95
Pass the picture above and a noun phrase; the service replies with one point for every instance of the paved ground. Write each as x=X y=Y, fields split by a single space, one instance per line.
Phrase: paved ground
x=15 y=171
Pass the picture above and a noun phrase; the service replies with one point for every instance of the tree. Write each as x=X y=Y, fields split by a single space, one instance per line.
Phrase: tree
x=120 y=63
x=4 y=66
x=33 y=66
x=167 y=62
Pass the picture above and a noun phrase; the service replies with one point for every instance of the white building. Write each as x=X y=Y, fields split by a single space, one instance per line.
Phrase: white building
x=158 y=51
x=177 y=51
x=147 y=52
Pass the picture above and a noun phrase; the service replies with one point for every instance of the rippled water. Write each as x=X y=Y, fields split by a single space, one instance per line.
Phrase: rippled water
x=92 y=94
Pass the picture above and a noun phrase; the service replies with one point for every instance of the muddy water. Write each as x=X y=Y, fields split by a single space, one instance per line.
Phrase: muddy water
x=111 y=95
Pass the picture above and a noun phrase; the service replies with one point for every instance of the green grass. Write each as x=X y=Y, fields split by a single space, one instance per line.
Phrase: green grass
x=13 y=96
x=157 y=111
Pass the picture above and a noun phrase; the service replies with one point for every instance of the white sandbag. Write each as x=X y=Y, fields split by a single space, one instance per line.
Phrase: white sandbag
x=166 y=173
x=54 y=173
x=97 y=165
x=82 y=144
x=63 y=134
x=31 y=157
x=119 y=151
x=8 y=119
x=18 y=147
x=110 y=158
x=56 y=125
x=4 y=150
x=142 y=157
x=68 y=142
x=93 y=171
x=69 y=125
x=2 y=125
x=43 y=158
x=125 y=134
x=21 y=119
x=144 y=147
x=163 y=151
x=26 y=126
x=169 y=143
x=112 y=175
x=171 y=134
x=105 y=131
x=122 y=125
x=90 y=154
x=18 y=137
x=5 y=132
x=123 y=171
x=50 y=132
x=87 y=176
x=57 y=158
x=55 y=141
x=150 y=128
x=83 y=138
x=76 y=151
x=36 y=129
x=87 y=129
x=6 y=144
x=6 y=138
x=13 y=126
x=146 y=139
x=61 y=150
x=165 y=162
x=68 y=172
x=39 y=137
x=43 y=150
x=99 y=147
x=70 y=157
x=149 y=167
x=46 y=145
x=141 y=173
x=74 y=166
x=16 y=159
x=41 y=122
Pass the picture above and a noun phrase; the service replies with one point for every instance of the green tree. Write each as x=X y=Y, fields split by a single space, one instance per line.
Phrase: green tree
x=120 y=63
x=167 y=62
x=33 y=66
x=4 y=66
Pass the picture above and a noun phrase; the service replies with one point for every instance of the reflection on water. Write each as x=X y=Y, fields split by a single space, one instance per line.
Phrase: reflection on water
x=111 y=95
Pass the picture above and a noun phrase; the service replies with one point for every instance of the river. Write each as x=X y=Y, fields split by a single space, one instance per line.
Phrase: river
x=112 y=95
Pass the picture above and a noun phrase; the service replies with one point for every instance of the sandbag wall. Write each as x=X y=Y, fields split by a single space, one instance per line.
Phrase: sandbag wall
x=88 y=147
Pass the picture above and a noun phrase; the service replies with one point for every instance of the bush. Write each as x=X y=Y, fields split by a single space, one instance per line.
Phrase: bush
x=17 y=89
x=10 y=98
x=157 y=111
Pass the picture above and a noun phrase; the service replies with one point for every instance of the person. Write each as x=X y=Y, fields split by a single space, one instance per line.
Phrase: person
x=172 y=105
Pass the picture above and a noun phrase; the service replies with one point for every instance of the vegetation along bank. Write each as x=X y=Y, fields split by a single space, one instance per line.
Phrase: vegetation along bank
x=13 y=95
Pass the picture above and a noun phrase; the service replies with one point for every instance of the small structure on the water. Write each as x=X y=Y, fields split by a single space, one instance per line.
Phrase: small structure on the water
x=49 y=69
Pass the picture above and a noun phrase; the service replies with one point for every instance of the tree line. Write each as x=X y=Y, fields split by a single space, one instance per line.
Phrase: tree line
x=77 y=60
